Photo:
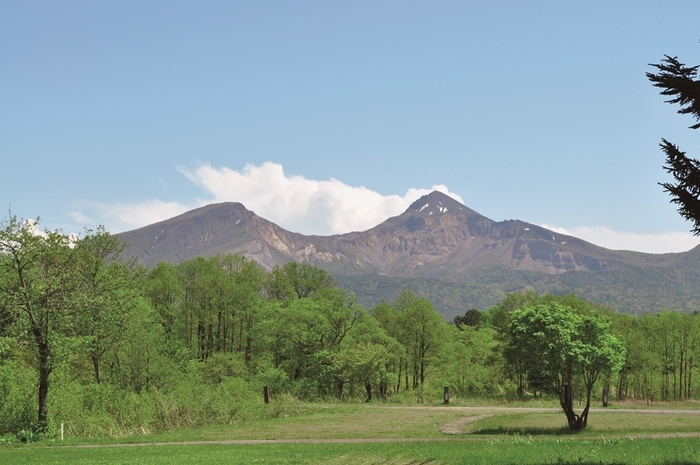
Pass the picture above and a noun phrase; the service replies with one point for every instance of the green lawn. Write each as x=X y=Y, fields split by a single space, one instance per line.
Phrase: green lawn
x=612 y=424
x=510 y=451
x=340 y=421
x=476 y=435
x=336 y=421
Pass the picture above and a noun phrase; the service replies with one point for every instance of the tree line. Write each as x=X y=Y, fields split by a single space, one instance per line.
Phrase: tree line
x=100 y=343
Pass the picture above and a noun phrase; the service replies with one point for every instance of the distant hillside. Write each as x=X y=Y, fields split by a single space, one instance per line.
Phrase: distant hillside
x=448 y=298
x=630 y=290
x=456 y=257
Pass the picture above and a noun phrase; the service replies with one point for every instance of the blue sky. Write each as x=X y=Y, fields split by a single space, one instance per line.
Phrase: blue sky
x=327 y=117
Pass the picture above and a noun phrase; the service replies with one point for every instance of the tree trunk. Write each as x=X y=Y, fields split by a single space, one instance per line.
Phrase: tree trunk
x=622 y=384
x=398 y=384
x=96 y=366
x=406 y=375
x=521 y=383
x=415 y=376
x=567 y=405
x=341 y=383
x=680 y=375
x=201 y=340
x=576 y=422
x=248 y=349
x=210 y=340
x=44 y=372
x=368 y=388
x=219 y=324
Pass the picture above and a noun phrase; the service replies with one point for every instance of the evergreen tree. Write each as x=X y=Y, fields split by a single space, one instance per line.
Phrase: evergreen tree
x=678 y=81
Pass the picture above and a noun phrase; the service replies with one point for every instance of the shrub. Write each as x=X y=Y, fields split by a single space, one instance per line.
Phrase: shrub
x=18 y=400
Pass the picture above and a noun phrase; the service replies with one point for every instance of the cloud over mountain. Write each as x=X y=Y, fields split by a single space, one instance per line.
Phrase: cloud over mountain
x=324 y=207
x=294 y=202
x=617 y=240
x=300 y=204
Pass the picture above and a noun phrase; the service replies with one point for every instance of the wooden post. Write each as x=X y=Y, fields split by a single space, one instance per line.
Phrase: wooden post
x=61 y=431
x=266 y=394
x=605 y=397
x=446 y=395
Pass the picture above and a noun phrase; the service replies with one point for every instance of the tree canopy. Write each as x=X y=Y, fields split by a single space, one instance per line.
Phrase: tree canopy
x=553 y=343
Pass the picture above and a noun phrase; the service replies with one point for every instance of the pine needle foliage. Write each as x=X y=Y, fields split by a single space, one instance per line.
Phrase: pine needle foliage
x=680 y=82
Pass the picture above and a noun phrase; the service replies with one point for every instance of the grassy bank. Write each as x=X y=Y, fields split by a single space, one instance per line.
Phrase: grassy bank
x=501 y=451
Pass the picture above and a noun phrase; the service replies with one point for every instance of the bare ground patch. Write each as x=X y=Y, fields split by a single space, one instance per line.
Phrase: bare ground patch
x=457 y=426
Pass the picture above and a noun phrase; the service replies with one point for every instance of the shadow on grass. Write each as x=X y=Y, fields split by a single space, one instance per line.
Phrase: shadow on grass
x=598 y=462
x=500 y=431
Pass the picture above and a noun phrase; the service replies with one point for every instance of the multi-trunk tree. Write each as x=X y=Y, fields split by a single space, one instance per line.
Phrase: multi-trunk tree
x=559 y=345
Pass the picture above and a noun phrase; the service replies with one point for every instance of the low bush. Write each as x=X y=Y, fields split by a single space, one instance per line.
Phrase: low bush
x=18 y=400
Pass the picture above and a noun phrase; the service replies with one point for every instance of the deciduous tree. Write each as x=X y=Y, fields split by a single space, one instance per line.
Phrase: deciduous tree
x=39 y=282
x=106 y=294
x=560 y=344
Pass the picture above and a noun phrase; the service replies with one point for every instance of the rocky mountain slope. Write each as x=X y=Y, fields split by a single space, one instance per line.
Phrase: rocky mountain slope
x=436 y=239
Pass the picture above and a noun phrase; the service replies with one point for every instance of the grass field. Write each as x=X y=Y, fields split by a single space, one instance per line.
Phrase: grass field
x=381 y=434
x=504 y=451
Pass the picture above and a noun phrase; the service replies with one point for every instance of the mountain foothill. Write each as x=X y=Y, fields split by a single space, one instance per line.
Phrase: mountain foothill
x=441 y=250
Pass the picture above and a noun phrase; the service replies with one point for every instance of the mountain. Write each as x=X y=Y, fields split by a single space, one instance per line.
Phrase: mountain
x=207 y=231
x=439 y=244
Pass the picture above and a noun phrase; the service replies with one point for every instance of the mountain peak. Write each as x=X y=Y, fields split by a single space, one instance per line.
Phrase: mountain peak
x=437 y=203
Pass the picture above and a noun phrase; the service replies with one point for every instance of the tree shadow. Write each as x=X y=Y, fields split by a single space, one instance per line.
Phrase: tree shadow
x=501 y=431
x=598 y=462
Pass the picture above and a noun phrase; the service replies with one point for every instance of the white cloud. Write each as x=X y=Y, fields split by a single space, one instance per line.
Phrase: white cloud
x=616 y=240
x=132 y=216
x=80 y=218
x=34 y=229
x=300 y=204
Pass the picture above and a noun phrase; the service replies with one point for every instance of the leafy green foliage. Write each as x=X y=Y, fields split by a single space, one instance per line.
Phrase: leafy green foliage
x=551 y=343
x=471 y=317
x=18 y=402
x=39 y=284
x=474 y=365
x=296 y=281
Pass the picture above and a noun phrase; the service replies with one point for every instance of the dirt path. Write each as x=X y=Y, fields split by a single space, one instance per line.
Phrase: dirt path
x=265 y=441
x=553 y=409
x=382 y=440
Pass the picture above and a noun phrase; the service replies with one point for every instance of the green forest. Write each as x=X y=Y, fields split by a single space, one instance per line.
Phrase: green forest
x=92 y=340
